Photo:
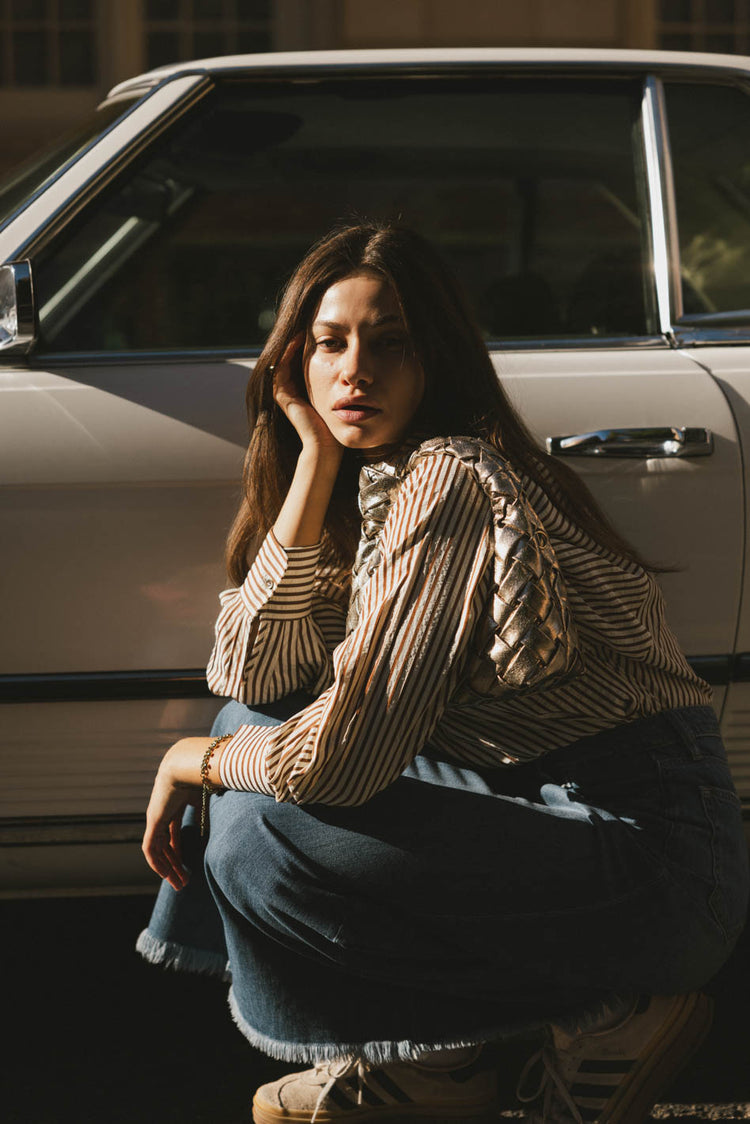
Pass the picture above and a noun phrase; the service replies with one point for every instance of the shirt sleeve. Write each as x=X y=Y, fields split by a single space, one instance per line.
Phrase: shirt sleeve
x=395 y=672
x=277 y=631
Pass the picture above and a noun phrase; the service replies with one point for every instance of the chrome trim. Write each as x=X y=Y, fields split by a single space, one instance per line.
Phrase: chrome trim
x=40 y=361
x=580 y=343
x=43 y=360
x=642 y=442
x=663 y=219
x=17 y=307
x=104 y=686
x=686 y=337
x=310 y=64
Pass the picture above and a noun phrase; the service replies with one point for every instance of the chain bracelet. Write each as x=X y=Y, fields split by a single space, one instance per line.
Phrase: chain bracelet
x=206 y=787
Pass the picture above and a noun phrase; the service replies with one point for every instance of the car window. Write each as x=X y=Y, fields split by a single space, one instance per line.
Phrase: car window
x=709 y=132
x=529 y=187
x=21 y=182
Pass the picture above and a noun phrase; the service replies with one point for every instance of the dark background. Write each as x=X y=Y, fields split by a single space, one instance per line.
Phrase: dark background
x=95 y=1034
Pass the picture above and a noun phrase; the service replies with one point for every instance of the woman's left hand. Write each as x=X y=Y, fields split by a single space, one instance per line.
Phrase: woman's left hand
x=161 y=840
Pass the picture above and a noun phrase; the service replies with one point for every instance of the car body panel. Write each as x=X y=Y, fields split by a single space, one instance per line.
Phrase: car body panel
x=569 y=392
x=121 y=474
x=730 y=366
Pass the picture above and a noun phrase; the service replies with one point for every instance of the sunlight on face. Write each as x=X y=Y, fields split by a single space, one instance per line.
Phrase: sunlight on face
x=361 y=375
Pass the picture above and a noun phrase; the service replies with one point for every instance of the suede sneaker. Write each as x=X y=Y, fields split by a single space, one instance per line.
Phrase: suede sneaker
x=352 y=1090
x=615 y=1075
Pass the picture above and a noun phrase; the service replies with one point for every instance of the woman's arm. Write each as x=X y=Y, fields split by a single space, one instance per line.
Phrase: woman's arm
x=269 y=638
x=397 y=670
x=178 y=783
x=277 y=631
x=299 y=524
x=300 y=521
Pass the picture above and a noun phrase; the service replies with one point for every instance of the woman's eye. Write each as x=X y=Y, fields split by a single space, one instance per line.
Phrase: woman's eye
x=393 y=343
x=328 y=344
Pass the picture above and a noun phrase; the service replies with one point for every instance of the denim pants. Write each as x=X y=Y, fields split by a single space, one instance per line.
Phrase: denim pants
x=462 y=905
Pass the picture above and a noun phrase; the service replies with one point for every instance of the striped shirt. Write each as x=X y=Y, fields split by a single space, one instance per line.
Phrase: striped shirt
x=392 y=680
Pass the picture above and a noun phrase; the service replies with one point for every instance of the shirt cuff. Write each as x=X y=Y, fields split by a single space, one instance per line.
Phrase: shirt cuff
x=281 y=579
x=241 y=765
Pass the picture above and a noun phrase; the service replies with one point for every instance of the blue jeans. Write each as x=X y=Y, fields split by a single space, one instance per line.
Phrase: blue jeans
x=461 y=904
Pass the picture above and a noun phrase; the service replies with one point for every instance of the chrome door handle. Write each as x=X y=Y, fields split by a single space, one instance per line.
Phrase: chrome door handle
x=661 y=441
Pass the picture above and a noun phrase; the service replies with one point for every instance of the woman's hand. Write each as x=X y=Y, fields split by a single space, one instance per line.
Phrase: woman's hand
x=302 y=516
x=313 y=431
x=170 y=797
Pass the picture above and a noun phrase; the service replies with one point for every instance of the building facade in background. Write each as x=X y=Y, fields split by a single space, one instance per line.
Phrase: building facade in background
x=59 y=57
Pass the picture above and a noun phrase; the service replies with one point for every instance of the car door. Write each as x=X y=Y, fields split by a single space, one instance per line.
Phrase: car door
x=663 y=501
x=156 y=284
x=118 y=480
x=709 y=132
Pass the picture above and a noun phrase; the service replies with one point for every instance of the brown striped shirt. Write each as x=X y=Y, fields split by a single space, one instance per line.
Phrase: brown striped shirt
x=394 y=682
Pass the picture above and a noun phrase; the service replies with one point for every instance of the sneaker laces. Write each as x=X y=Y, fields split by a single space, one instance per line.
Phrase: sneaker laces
x=336 y=1071
x=550 y=1083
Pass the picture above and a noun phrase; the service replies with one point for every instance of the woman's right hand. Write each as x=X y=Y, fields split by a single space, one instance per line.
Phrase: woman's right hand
x=302 y=516
x=312 y=430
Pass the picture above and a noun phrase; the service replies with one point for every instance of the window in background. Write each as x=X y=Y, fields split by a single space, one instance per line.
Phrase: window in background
x=178 y=30
x=704 y=25
x=48 y=42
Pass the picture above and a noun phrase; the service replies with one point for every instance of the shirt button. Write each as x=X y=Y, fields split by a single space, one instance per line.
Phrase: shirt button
x=268 y=581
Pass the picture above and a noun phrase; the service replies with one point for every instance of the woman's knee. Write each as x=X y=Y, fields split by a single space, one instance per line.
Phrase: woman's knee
x=259 y=861
x=247 y=852
x=234 y=841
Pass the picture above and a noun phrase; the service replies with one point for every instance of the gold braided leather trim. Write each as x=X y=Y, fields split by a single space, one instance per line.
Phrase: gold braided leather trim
x=528 y=638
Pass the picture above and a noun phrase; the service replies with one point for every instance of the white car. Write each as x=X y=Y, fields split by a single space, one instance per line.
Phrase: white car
x=596 y=205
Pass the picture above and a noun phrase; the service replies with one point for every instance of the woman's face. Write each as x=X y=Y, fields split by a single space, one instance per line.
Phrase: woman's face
x=361 y=374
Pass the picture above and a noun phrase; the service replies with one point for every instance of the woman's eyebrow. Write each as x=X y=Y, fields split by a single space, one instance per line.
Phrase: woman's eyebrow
x=390 y=318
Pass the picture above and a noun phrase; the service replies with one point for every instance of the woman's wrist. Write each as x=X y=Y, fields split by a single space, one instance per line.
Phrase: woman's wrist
x=321 y=457
x=181 y=764
x=302 y=517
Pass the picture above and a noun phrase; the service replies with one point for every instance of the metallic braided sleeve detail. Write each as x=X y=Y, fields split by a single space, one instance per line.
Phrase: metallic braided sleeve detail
x=529 y=638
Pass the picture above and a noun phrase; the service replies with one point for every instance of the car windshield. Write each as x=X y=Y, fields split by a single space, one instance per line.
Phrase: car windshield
x=27 y=178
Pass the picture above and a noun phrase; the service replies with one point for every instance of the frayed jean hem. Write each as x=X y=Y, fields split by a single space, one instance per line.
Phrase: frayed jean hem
x=376 y=1053
x=169 y=954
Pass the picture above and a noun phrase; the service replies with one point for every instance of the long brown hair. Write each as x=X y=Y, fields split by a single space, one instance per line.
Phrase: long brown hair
x=462 y=393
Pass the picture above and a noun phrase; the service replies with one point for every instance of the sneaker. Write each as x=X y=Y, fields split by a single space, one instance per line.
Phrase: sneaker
x=353 y=1090
x=614 y=1076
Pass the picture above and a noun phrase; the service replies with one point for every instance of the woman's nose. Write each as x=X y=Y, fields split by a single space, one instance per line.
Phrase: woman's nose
x=355 y=367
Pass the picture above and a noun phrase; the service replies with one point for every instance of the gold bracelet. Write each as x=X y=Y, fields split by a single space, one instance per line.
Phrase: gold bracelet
x=208 y=788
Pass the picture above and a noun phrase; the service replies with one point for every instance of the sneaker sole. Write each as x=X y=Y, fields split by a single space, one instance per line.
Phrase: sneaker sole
x=669 y=1050
x=401 y=1114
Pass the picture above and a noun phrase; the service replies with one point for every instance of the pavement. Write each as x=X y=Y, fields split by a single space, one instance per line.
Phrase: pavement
x=93 y=1035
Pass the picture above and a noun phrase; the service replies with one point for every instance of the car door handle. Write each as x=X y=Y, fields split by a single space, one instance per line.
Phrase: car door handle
x=661 y=441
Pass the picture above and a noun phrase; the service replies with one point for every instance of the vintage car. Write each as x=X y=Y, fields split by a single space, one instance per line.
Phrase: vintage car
x=595 y=203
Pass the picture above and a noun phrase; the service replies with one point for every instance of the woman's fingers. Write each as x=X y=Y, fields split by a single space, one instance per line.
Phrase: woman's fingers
x=175 y=844
x=163 y=856
x=290 y=396
x=286 y=388
x=161 y=839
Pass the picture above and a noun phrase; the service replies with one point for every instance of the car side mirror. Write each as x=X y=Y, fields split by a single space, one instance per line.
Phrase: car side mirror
x=17 y=313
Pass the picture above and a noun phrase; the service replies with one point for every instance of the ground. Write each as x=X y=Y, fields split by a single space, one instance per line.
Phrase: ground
x=96 y=1036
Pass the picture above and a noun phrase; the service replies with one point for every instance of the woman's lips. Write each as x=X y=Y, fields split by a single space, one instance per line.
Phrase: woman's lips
x=354 y=413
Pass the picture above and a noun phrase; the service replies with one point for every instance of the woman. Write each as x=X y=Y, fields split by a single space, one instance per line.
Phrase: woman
x=481 y=792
